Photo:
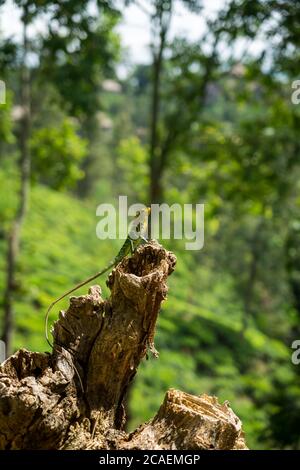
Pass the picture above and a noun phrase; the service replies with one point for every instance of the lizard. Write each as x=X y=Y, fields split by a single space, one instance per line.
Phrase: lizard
x=135 y=237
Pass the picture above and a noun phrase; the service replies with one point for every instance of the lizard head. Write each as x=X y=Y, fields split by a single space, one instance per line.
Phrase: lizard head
x=142 y=217
x=143 y=212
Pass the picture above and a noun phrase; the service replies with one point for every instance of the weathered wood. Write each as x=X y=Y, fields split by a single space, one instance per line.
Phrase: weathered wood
x=189 y=422
x=73 y=398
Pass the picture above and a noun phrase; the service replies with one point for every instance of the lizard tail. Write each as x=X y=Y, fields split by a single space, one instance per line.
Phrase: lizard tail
x=68 y=293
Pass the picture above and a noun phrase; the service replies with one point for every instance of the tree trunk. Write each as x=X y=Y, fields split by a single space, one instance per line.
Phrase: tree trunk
x=155 y=173
x=255 y=249
x=14 y=235
x=86 y=185
x=160 y=150
x=44 y=405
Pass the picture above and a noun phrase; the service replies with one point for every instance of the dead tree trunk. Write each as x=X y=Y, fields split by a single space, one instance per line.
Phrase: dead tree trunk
x=44 y=405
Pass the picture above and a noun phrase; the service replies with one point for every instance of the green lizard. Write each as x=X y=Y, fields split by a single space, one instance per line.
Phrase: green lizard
x=139 y=225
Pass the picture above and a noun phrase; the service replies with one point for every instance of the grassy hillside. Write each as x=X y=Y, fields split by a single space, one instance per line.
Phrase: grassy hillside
x=59 y=249
x=203 y=347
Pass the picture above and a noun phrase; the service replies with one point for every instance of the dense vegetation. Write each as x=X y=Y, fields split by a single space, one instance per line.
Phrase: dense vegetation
x=195 y=125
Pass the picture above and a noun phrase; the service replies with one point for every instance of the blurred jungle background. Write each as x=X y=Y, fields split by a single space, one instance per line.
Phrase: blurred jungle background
x=183 y=101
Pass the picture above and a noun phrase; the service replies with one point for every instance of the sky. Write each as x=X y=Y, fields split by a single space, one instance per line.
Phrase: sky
x=135 y=32
x=134 y=28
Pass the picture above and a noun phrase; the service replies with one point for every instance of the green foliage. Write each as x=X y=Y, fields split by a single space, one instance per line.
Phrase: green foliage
x=9 y=186
x=76 y=62
x=57 y=153
x=59 y=249
x=6 y=134
x=132 y=165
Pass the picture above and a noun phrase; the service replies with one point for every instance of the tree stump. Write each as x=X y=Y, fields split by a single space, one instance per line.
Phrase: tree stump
x=73 y=398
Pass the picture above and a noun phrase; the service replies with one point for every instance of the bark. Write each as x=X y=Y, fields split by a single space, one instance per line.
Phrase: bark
x=155 y=174
x=14 y=235
x=42 y=404
x=161 y=22
x=255 y=249
x=161 y=148
x=90 y=132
